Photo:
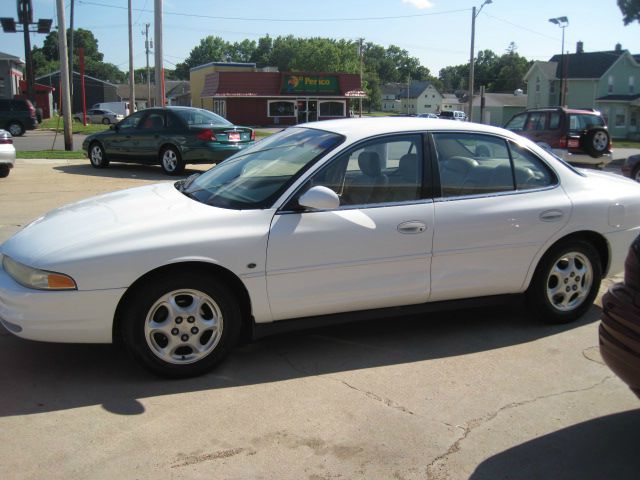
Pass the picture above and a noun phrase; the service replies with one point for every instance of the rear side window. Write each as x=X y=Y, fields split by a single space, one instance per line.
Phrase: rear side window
x=554 y=120
x=472 y=164
x=583 y=121
x=530 y=172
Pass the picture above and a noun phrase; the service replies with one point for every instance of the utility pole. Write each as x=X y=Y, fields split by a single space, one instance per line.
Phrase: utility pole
x=71 y=50
x=147 y=48
x=472 y=56
x=65 y=98
x=25 y=17
x=159 y=69
x=132 y=80
x=361 y=40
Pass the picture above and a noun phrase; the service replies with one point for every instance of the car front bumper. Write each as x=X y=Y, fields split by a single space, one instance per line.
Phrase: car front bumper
x=73 y=316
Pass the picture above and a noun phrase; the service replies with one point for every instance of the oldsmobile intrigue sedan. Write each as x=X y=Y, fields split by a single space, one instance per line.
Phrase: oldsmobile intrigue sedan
x=320 y=220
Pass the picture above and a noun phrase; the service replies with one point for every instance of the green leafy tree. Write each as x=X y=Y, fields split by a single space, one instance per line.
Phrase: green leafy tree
x=630 y=10
x=211 y=49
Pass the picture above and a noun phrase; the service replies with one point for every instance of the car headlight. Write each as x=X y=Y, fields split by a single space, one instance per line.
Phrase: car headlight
x=38 y=279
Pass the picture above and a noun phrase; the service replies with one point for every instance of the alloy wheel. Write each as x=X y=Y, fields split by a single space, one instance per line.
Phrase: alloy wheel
x=569 y=281
x=183 y=326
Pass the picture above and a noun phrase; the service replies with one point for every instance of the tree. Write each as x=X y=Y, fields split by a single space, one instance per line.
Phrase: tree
x=630 y=10
x=211 y=49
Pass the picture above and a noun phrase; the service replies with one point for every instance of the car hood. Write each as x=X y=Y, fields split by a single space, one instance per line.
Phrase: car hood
x=135 y=230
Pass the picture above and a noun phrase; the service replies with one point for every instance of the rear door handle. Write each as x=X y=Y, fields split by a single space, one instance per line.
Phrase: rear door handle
x=412 y=227
x=551 y=215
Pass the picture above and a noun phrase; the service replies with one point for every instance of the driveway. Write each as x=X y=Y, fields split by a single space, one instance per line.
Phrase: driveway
x=482 y=394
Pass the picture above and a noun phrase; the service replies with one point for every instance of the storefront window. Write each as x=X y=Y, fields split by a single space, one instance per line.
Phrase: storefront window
x=279 y=108
x=332 y=109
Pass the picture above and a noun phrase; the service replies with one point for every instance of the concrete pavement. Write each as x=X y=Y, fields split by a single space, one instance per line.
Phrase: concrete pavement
x=482 y=394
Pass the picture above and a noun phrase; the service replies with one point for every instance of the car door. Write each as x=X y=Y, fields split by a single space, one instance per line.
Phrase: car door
x=374 y=250
x=499 y=205
x=119 y=143
x=146 y=138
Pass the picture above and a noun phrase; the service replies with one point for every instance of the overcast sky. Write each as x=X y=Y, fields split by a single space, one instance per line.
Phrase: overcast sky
x=438 y=32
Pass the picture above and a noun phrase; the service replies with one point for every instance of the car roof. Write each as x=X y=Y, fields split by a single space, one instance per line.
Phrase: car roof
x=366 y=127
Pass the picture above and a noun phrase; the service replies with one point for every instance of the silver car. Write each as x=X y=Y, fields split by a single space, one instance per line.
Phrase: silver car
x=7 y=153
x=106 y=117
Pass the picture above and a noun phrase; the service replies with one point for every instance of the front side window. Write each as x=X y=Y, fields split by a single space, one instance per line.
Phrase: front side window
x=131 y=121
x=536 y=121
x=472 y=164
x=257 y=176
x=384 y=170
x=516 y=124
x=153 y=121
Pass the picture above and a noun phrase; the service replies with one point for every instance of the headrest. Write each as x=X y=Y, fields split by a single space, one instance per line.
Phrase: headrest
x=369 y=163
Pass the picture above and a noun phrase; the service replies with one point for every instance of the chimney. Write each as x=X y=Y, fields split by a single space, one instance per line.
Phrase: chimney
x=580 y=47
x=618 y=48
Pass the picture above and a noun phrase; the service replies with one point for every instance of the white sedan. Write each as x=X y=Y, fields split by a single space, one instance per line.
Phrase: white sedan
x=318 y=221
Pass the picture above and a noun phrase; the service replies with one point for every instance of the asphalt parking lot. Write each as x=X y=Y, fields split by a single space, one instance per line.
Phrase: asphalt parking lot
x=481 y=394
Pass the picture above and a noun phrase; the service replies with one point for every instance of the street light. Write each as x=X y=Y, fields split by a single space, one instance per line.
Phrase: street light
x=474 y=14
x=562 y=22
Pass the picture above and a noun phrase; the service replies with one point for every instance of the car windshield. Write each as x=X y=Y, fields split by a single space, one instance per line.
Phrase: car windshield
x=256 y=177
x=197 y=116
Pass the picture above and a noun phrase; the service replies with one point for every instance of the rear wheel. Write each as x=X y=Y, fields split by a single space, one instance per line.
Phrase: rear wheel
x=171 y=161
x=595 y=142
x=4 y=171
x=105 y=121
x=16 y=129
x=97 y=156
x=566 y=282
x=181 y=325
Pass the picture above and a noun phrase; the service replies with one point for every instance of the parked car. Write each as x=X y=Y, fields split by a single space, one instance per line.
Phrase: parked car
x=170 y=136
x=453 y=115
x=620 y=326
x=576 y=136
x=631 y=167
x=7 y=153
x=121 y=108
x=106 y=117
x=17 y=116
x=328 y=220
x=427 y=115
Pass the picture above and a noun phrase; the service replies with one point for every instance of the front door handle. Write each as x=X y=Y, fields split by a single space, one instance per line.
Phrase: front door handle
x=412 y=227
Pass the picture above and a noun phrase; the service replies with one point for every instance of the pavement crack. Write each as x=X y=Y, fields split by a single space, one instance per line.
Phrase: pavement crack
x=433 y=473
x=373 y=396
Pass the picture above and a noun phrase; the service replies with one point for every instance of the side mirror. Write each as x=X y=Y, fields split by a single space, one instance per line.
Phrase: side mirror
x=319 y=198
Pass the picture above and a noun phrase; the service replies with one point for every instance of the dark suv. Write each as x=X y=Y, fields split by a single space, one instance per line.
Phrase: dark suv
x=17 y=115
x=576 y=136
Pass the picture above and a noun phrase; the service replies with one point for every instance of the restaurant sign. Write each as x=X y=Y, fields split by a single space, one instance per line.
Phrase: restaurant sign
x=317 y=84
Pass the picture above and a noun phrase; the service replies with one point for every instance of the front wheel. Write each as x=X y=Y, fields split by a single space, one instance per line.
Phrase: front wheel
x=105 y=121
x=566 y=282
x=4 y=171
x=171 y=161
x=97 y=156
x=16 y=129
x=181 y=325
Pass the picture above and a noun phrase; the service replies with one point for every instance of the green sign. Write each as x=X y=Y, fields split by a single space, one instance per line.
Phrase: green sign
x=318 y=84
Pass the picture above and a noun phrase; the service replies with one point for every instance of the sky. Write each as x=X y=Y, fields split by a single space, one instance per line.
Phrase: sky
x=437 y=32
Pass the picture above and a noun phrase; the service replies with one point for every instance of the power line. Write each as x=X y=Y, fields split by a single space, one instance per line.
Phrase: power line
x=521 y=27
x=284 y=20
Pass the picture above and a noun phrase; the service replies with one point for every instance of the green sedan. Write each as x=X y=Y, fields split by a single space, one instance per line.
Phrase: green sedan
x=170 y=136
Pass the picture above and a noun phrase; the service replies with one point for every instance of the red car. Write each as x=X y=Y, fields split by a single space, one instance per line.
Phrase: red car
x=620 y=327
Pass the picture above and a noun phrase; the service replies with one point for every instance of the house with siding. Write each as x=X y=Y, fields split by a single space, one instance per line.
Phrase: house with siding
x=608 y=81
x=411 y=99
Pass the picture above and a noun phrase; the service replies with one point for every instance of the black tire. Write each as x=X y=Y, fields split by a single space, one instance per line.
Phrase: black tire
x=97 y=156
x=595 y=142
x=635 y=175
x=106 y=121
x=149 y=326
x=171 y=161
x=565 y=282
x=15 y=128
x=4 y=171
